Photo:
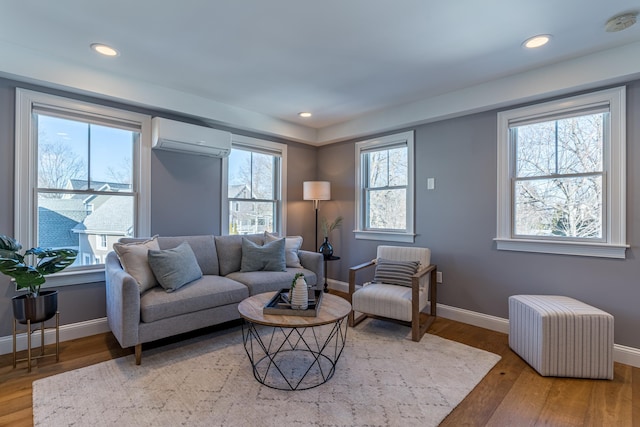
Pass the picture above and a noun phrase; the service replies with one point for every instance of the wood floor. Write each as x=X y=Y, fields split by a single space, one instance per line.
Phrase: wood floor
x=512 y=394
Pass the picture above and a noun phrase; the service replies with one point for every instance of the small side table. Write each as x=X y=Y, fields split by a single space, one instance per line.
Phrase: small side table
x=326 y=259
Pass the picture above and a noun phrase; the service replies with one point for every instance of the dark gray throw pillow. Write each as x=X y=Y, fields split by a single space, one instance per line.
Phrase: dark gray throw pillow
x=269 y=257
x=175 y=267
x=395 y=272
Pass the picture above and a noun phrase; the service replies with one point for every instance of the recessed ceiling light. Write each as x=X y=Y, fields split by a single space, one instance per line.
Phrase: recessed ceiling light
x=103 y=49
x=620 y=22
x=304 y=114
x=536 y=41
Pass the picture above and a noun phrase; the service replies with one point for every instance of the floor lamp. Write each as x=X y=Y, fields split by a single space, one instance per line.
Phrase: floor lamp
x=316 y=191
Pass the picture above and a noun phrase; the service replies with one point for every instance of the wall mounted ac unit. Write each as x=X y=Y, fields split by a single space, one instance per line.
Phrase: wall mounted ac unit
x=187 y=138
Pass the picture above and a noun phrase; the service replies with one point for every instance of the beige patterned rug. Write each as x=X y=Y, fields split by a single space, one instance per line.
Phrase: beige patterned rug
x=382 y=379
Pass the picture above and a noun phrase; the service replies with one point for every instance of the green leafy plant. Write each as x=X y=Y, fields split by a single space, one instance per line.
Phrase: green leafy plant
x=31 y=277
x=328 y=227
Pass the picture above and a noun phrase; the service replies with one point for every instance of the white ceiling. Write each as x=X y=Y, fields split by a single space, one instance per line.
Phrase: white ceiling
x=342 y=60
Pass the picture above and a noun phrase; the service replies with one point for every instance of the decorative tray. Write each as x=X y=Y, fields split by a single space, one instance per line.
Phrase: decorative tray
x=280 y=304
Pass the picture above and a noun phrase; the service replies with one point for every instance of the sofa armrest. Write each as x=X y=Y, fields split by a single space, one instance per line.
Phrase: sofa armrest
x=313 y=261
x=123 y=302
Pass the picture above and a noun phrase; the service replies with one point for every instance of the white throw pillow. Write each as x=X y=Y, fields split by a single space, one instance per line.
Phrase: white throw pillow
x=133 y=257
x=291 y=247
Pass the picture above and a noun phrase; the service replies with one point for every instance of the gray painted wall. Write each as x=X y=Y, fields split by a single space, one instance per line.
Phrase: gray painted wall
x=457 y=220
x=185 y=200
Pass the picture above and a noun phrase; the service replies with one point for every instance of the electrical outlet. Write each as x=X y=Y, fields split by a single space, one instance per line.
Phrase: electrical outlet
x=439 y=277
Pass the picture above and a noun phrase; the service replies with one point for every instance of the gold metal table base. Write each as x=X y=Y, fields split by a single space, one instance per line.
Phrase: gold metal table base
x=29 y=332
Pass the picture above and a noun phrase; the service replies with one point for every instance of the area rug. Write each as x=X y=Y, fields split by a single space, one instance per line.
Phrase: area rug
x=382 y=379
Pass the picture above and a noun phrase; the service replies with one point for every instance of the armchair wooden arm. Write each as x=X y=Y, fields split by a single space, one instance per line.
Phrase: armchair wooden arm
x=352 y=275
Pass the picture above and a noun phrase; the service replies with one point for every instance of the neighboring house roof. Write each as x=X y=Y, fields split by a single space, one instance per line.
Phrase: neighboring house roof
x=81 y=184
x=56 y=219
x=112 y=215
x=239 y=191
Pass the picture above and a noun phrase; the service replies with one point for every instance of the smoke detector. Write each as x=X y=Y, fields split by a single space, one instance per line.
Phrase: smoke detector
x=620 y=22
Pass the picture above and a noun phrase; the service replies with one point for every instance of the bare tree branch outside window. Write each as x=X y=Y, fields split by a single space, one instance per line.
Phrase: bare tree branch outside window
x=559 y=177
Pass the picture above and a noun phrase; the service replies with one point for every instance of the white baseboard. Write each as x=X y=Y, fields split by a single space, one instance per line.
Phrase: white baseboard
x=621 y=353
x=67 y=333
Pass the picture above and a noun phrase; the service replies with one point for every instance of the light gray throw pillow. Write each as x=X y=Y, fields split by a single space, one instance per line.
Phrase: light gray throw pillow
x=175 y=267
x=269 y=257
x=292 y=245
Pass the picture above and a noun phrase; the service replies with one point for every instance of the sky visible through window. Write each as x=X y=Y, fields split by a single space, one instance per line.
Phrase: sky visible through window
x=65 y=143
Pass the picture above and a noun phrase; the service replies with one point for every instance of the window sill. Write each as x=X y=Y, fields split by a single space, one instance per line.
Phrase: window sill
x=386 y=236
x=601 y=250
x=67 y=278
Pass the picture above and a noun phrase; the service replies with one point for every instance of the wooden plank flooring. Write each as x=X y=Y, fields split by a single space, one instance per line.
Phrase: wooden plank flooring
x=512 y=394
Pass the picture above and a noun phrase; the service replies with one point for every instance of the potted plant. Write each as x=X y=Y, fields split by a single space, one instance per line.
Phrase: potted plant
x=327 y=227
x=35 y=305
x=299 y=294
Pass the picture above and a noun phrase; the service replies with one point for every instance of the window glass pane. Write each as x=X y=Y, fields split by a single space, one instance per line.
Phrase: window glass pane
x=567 y=146
x=580 y=144
x=378 y=168
x=535 y=149
x=111 y=158
x=240 y=174
x=62 y=153
x=80 y=221
x=398 y=166
x=560 y=207
x=386 y=209
x=247 y=217
x=262 y=176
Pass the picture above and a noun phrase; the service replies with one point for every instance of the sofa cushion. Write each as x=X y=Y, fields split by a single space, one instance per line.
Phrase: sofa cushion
x=204 y=246
x=291 y=248
x=207 y=292
x=229 y=249
x=133 y=257
x=266 y=281
x=267 y=257
x=174 y=267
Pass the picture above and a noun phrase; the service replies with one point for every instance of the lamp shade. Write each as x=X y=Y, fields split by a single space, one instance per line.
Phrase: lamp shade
x=316 y=190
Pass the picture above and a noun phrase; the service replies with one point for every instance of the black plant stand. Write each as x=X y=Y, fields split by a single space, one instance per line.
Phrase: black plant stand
x=29 y=333
x=326 y=259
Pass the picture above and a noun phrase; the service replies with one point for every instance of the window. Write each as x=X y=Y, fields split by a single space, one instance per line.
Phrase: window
x=384 y=188
x=88 y=169
x=254 y=173
x=561 y=176
x=101 y=241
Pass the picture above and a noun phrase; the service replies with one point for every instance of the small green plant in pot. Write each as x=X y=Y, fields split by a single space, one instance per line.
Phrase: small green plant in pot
x=32 y=277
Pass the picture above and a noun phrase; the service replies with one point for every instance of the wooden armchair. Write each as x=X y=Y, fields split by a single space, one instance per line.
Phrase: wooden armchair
x=393 y=301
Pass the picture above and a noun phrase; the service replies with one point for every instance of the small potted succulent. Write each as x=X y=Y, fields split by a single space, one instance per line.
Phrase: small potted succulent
x=35 y=305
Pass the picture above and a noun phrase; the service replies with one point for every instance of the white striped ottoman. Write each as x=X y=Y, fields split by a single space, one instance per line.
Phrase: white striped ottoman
x=561 y=336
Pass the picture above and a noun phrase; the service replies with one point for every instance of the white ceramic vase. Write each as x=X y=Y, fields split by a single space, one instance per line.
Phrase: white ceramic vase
x=300 y=295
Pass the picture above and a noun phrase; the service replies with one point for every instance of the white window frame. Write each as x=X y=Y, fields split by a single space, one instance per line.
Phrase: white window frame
x=407 y=235
x=26 y=168
x=613 y=244
x=258 y=146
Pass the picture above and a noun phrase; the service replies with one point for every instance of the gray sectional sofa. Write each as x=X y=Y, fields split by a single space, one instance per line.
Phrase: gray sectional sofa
x=138 y=315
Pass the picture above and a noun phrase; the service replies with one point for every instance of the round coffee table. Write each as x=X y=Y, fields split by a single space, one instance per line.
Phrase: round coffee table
x=294 y=352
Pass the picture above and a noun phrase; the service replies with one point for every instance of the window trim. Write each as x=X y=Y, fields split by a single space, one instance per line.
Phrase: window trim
x=26 y=173
x=614 y=239
x=407 y=236
x=259 y=145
